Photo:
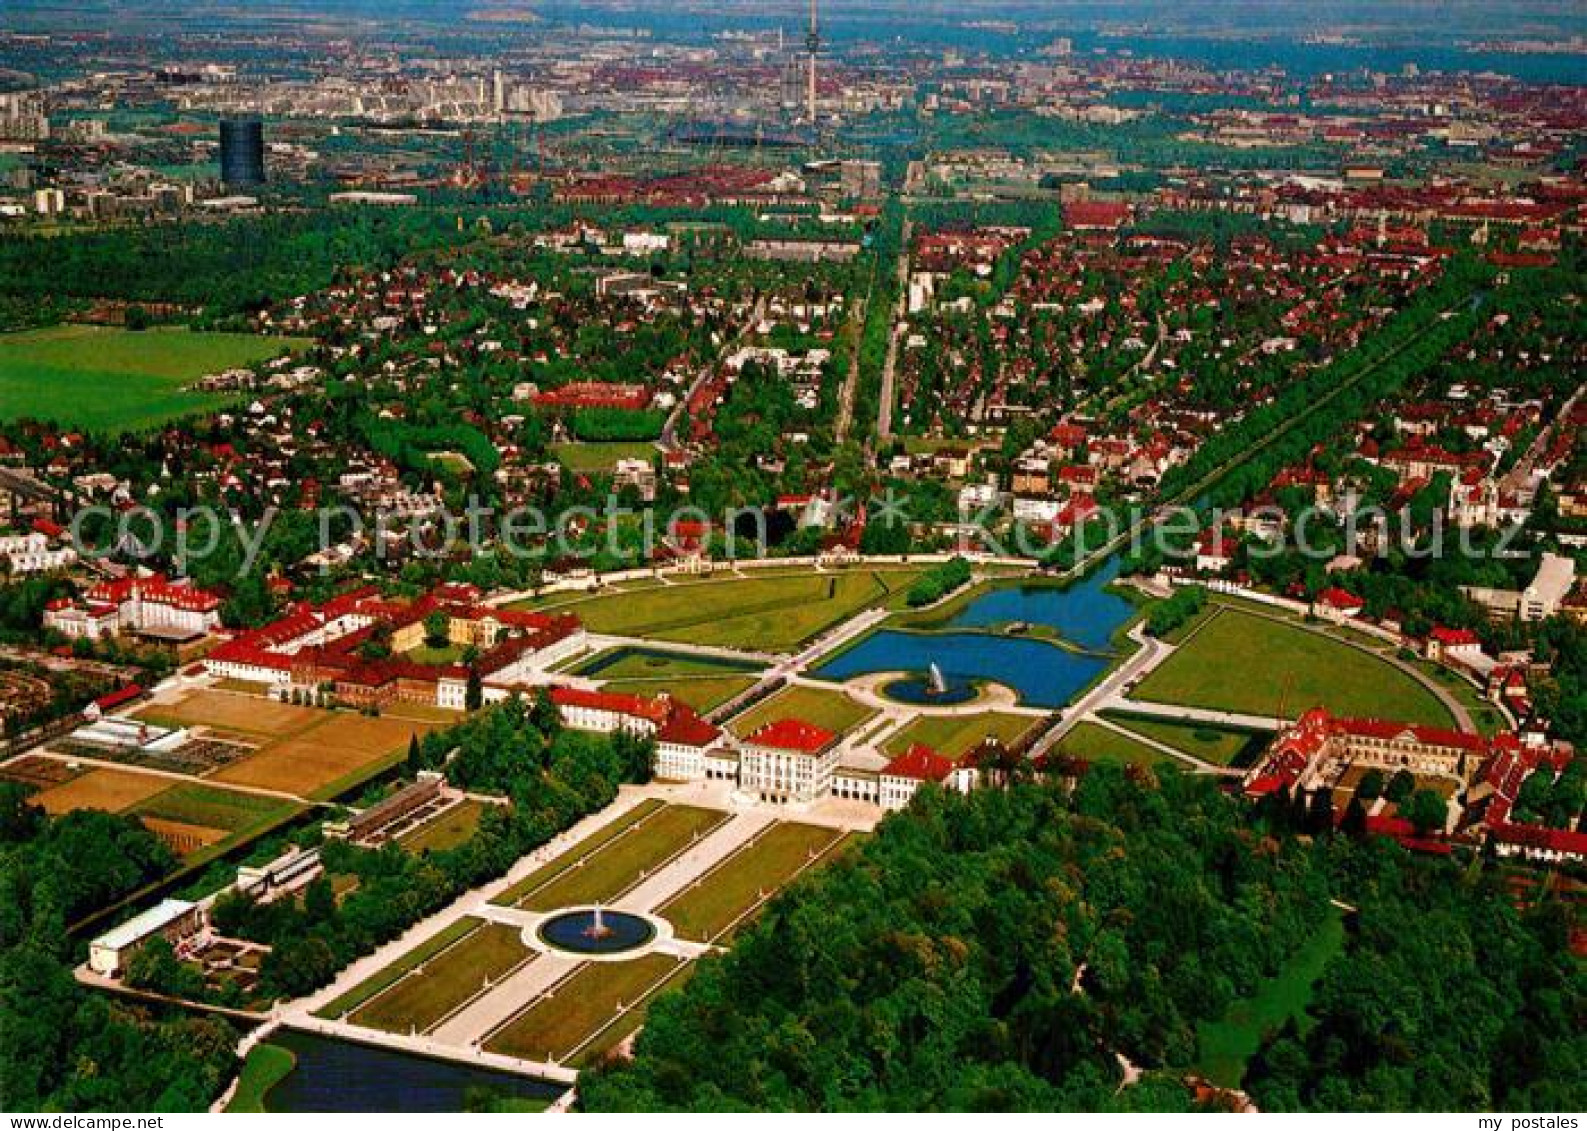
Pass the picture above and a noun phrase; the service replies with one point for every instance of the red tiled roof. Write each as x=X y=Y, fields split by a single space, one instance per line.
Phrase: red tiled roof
x=1336 y=598
x=1387 y=729
x=596 y=394
x=117 y=698
x=685 y=728
x=639 y=706
x=920 y=762
x=1095 y=213
x=793 y=734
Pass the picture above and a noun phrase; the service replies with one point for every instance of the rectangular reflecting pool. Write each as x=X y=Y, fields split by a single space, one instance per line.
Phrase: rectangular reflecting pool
x=344 y=1076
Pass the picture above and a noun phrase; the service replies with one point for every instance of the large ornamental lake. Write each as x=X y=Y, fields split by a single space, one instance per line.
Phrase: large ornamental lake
x=1044 y=674
x=343 y=1076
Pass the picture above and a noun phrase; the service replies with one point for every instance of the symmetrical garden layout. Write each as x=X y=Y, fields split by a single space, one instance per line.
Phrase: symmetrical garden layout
x=482 y=982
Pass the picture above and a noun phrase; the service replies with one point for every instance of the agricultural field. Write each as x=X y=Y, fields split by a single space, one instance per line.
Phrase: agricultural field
x=1218 y=745
x=219 y=710
x=1241 y=662
x=205 y=805
x=559 y=1024
x=35 y=772
x=195 y=817
x=1098 y=744
x=109 y=790
x=327 y=758
x=440 y=984
x=831 y=709
x=104 y=379
x=619 y=863
x=190 y=818
x=763 y=614
x=716 y=902
x=954 y=736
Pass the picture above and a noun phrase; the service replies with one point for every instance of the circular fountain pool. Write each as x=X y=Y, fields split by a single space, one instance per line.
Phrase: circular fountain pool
x=592 y=930
x=923 y=691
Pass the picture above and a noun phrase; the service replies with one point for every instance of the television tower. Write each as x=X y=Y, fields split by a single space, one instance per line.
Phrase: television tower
x=813 y=46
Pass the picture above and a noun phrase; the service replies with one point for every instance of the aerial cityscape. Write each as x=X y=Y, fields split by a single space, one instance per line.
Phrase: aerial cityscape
x=793 y=556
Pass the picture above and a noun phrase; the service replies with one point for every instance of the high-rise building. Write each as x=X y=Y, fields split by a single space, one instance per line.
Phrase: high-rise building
x=813 y=47
x=860 y=180
x=23 y=117
x=242 y=152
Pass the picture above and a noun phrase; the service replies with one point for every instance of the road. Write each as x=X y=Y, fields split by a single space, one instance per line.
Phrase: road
x=1521 y=473
x=787 y=665
x=1174 y=712
x=175 y=777
x=1151 y=653
x=851 y=382
x=884 y=413
x=669 y=430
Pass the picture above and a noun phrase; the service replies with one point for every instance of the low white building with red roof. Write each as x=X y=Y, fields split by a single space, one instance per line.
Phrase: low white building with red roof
x=901 y=777
x=1337 y=604
x=686 y=744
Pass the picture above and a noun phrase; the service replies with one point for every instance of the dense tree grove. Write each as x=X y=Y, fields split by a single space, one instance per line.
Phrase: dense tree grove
x=1006 y=950
x=1445 y=999
x=1180 y=608
x=63 y=1047
x=938 y=581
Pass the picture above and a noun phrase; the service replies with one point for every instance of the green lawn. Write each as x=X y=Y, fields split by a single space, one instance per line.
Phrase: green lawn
x=703 y=693
x=105 y=379
x=420 y=1000
x=831 y=709
x=763 y=614
x=448 y=830
x=1218 y=745
x=622 y=1028
x=586 y=847
x=954 y=736
x=1098 y=744
x=622 y=861
x=601 y=456
x=631 y=663
x=398 y=970
x=1226 y=1045
x=436 y=657
x=267 y=1065
x=556 y=1026
x=718 y=900
x=1237 y=661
